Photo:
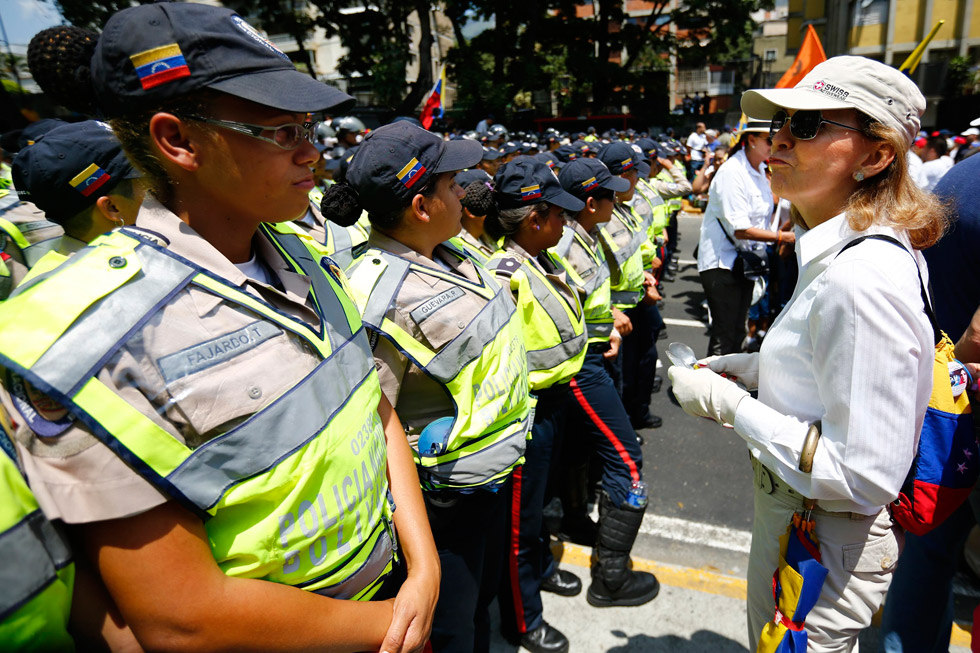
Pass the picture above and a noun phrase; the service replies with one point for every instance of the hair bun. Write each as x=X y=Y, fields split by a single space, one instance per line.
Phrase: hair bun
x=60 y=59
x=341 y=204
x=479 y=198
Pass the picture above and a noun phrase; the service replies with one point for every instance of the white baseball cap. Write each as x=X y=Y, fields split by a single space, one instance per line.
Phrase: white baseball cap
x=972 y=131
x=847 y=82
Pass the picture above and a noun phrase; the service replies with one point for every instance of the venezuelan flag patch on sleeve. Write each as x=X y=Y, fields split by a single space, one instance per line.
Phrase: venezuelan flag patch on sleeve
x=89 y=180
x=160 y=65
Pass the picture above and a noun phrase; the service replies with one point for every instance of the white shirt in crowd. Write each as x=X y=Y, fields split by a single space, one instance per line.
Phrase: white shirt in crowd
x=932 y=171
x=697 y=144
x=853 y=349
x=739 y=198
x=915 y=166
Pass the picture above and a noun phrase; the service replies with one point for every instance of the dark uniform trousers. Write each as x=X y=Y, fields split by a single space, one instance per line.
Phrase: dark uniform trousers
x=729 y=299
x=598 y=423
x=469 y=530
x=529 y=559
x=639 y=360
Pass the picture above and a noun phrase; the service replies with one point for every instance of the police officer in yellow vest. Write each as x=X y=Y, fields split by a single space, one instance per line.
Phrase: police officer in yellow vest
x=530 y=202
x=80 y=177
x=36 y=567
x=449 y=351
x=630 y=253
x=198 y=389
x=604 y=425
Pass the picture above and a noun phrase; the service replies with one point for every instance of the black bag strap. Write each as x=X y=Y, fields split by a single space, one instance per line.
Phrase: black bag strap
x=926 y=293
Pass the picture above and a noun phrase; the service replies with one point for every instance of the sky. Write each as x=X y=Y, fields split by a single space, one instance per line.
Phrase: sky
x=25 y=18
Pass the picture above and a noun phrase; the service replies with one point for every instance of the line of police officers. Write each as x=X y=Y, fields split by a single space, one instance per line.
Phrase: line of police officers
x=207 y=369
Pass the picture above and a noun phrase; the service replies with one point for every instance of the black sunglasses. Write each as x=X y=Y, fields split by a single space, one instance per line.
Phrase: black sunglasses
x=803 y=125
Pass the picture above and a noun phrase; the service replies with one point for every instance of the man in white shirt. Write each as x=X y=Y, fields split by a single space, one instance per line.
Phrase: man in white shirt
x=935 y=163
x=697 y=143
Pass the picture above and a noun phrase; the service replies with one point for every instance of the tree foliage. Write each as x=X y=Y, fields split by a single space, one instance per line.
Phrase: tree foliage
x=93 y=15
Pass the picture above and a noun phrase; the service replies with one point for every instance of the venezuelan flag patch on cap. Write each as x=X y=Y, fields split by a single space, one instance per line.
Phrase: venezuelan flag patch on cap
x=160 y=65
x=89 y=180
x=589 y=184
x=530 y=192
x=627 y=164
x=411 y=173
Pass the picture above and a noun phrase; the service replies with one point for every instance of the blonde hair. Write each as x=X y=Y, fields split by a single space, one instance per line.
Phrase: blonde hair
x=892 y=197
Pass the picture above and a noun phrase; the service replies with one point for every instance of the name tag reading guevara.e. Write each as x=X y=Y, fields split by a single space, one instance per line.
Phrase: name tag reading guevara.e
x=217 y=350
x=427 y=308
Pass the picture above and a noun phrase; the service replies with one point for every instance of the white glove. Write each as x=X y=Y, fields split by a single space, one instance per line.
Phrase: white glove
x=703 y=393
x=744 y=367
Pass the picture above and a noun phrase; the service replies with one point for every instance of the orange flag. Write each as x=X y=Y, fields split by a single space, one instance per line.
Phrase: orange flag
x=811 y=53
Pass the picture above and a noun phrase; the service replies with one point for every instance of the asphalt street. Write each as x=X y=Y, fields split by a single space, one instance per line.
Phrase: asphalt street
x=696 y=533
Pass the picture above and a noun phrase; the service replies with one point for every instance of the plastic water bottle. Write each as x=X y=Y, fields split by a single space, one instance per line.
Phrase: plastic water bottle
x=638 y=494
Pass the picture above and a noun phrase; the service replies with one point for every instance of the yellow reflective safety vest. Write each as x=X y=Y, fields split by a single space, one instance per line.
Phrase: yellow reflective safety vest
x=657 y=206
x=623 y=238
x=483 y=369
x=295 y=494
x=37 y=571
x=551 y=316
x=25 y=237
x=592 y=278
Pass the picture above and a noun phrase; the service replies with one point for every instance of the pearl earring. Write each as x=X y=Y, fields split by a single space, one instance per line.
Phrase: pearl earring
x=858 y=176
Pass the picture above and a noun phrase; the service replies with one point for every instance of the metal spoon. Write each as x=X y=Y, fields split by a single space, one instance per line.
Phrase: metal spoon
x=682 y=355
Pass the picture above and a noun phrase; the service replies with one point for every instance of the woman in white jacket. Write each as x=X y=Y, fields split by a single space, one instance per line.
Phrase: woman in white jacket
x=852 y=351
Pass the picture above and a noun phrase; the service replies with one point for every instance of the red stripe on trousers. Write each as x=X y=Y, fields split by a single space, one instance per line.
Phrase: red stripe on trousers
x=515 y=545
x=606 y=431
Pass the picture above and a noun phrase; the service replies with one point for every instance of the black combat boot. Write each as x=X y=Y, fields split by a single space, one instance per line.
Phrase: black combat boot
x=613 y=582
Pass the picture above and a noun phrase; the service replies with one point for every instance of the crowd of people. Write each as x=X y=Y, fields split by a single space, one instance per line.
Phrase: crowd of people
x=252 y=358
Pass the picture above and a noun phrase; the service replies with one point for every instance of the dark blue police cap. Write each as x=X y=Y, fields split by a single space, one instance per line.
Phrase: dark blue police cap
x=491 y=154
x=467 y=177
x=16 y=140
x=619 y=157
x=566 y=153
x=525 y=181
x=549 y=159
x=394 y=162
x=152 y=53
x=582 y=176
x=69 y=168
x=510 y=147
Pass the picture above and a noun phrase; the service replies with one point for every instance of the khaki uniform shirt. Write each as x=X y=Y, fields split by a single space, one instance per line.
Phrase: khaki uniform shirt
x=481 y=244
x=32 y=224
x=184 y=369
x=677 y=188
x=417 y=397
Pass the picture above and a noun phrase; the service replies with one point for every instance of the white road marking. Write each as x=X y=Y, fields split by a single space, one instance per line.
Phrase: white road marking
x=692 y=532
x=670 y=321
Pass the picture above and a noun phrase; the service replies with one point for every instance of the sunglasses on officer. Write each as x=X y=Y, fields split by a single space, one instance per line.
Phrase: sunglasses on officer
x=803 y=125
x=286 y=137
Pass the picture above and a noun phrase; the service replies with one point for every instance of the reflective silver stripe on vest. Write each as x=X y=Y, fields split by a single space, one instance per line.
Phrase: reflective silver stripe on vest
x=71 y=260
x=464 y=348
x=366 y=574
x=31 y=554
x=75 y=355
x=330 y=303
x=469 y=345
x=563 y=249
x=341 y=243
x=483 y=465
x=625 y=296
x=277 y=430
x=571 y=344
x=34 y=253
x=383 y=294
x=545 y=359
x=599 y=329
